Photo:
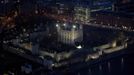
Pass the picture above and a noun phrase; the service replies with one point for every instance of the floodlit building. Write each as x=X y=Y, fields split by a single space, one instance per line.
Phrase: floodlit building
x=82 y=13
x=83 y=9
x=69 y=33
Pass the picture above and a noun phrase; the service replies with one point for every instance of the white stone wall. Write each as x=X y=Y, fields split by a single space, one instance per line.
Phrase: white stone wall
x=70 y=36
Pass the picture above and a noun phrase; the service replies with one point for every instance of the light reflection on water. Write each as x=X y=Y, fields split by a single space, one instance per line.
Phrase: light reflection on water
x=115 y=66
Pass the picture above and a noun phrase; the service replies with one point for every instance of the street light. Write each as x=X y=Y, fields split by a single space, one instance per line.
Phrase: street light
x=79 y=47
x=74 y=26
x=64 y=24
x=57 y=25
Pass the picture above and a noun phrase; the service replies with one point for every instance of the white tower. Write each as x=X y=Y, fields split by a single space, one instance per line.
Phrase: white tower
x=69 y=33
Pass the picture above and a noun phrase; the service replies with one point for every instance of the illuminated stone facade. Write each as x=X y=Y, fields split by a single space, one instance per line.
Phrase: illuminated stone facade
x=82 y=14
x=69 y=34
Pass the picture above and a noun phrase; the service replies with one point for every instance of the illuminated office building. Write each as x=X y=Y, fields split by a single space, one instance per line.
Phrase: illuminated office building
x=83 y=9
x=82 y=14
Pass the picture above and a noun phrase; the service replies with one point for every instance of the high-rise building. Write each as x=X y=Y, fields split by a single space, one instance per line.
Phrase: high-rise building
x=82 y=14
x=83 y=9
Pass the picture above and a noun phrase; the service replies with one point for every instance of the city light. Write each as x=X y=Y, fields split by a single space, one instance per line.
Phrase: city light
x=65 y=36
x=64 y=24
x=74 y=26
x=57 y=25
x=79 y=47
